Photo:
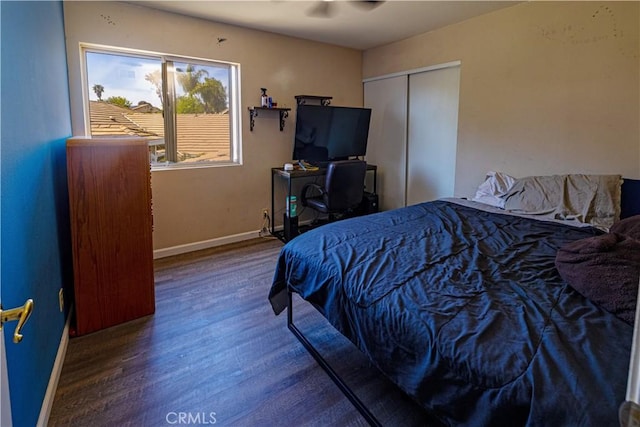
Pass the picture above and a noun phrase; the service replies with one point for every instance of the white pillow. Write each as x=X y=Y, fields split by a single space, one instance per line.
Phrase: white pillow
x=495 y=185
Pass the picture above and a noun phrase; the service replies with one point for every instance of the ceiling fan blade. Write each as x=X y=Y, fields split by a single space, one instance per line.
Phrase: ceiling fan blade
x=322 y=9
x=367 y=4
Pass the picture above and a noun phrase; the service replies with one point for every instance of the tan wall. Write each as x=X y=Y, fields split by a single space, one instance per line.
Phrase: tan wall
x=195 y=205
x=546 y=87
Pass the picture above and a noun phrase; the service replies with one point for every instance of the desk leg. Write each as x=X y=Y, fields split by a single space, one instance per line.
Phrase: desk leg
x=273 y=215
x=375 y=182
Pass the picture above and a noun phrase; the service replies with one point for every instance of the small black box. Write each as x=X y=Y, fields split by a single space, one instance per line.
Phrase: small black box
x=290 y=227
x=369 y=204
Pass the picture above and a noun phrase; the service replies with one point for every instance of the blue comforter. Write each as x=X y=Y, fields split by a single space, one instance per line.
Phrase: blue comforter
x=465 y=311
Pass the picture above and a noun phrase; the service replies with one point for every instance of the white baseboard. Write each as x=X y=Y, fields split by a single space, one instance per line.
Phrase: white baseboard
x=205 y=244
x=47 y=403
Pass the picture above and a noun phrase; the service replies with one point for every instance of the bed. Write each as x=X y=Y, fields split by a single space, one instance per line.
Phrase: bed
x=467 y=306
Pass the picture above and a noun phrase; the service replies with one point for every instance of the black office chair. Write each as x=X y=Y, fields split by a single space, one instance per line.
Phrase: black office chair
x=343 y=189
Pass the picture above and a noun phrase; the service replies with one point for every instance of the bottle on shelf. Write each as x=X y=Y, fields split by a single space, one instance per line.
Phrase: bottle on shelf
x=265 y=99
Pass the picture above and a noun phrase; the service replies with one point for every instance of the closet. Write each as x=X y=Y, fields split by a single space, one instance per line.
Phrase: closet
x=413 y=133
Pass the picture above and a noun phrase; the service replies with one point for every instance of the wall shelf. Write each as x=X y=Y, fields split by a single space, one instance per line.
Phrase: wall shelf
x=253 y=113
x=324 y=100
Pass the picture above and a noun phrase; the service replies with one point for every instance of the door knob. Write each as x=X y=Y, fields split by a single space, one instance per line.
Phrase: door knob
x=21 y=314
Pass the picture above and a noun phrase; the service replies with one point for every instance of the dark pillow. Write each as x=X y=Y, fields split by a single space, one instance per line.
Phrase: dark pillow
x=604 y=269
x=630 y=199
x=629 y=227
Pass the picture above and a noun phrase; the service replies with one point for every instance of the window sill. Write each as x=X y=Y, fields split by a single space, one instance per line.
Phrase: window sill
x=182 y=166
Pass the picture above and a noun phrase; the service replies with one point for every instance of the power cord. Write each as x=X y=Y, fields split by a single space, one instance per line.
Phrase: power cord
x=266 y=225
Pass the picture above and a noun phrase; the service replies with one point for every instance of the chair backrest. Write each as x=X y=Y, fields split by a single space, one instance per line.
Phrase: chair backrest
x=344 y=184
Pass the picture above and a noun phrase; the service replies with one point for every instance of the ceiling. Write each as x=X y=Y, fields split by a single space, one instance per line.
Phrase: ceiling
x=354 y=24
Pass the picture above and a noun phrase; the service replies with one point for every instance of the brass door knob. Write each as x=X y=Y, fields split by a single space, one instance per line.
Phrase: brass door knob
x=21 y=314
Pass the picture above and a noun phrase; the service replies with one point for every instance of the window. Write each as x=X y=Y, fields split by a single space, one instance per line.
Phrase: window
x=188 y=109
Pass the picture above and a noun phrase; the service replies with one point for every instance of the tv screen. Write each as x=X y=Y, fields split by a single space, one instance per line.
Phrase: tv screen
x=325 y=133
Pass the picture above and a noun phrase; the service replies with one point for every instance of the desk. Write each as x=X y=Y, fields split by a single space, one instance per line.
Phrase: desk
x=292 y=175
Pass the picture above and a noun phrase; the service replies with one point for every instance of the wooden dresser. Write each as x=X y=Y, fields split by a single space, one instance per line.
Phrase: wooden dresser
x=111 y=227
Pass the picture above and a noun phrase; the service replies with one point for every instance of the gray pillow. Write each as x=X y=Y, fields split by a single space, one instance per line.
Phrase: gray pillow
x=589 y=199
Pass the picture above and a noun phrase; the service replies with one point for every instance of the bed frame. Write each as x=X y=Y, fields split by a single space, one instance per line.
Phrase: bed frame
x=364 y=411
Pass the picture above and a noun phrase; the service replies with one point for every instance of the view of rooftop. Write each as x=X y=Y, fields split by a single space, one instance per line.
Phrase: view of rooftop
x=200 y=137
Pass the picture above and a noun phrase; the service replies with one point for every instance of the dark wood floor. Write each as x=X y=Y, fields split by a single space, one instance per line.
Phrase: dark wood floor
x=215 y=352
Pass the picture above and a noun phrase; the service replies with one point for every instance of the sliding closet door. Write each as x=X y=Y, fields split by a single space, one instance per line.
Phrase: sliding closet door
x=387 y=144
x=432 y=134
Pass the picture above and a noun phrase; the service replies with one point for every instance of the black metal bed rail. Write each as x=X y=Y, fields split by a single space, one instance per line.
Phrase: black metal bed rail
x=364 y=411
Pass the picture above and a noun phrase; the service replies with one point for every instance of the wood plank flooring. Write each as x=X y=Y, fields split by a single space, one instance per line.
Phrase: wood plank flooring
x=214 y=353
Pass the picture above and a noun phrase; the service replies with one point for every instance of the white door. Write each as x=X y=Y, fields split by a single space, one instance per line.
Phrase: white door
x=387 y=142
x=432 y=134
x=5 y=401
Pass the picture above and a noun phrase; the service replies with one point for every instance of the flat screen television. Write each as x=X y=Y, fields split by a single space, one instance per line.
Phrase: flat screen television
x=325 y=133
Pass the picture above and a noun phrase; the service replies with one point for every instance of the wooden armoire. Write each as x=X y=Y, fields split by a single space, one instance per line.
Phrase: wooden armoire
x=111 y=227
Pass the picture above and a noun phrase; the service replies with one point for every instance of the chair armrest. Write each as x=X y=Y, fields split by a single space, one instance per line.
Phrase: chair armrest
x=305 y=189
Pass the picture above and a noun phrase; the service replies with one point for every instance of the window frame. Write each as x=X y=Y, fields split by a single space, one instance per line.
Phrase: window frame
x=168 y=102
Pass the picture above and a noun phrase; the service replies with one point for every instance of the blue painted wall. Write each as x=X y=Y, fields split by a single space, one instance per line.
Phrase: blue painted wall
x=35 y=252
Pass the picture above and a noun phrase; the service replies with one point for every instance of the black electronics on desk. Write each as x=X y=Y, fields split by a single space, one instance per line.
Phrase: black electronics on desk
x=325 y=133
x=368 y=205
